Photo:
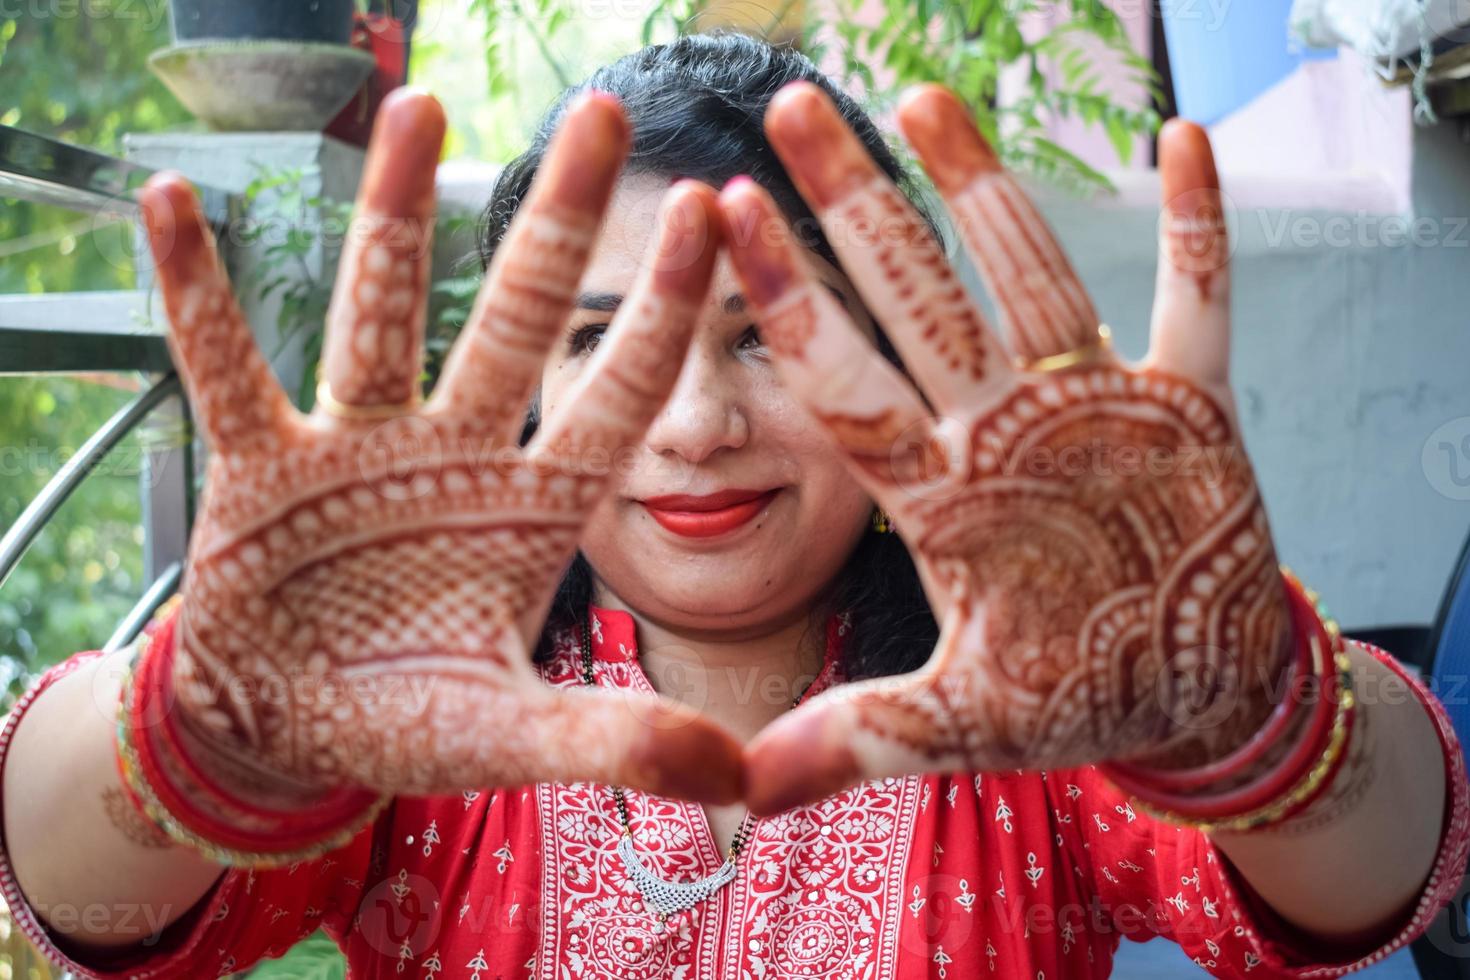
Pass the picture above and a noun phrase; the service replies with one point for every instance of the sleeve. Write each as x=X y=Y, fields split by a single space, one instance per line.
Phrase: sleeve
x=1156 y=879
x=248 y=915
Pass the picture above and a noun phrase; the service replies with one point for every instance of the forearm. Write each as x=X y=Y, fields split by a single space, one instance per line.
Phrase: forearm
x=1369 y=842
x=88 y=863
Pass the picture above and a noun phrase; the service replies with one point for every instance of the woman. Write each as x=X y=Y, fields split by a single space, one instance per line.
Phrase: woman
x=380 y=653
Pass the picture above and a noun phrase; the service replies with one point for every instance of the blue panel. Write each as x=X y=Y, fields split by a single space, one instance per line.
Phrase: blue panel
x=1160 y=959
x=1452 y=657
x=1223 y=54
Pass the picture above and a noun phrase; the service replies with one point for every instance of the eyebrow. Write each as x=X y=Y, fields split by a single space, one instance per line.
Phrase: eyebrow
x=598 y=302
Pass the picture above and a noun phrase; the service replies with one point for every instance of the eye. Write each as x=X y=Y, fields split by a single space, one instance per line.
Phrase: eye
x=584 y=339
x=752 y=337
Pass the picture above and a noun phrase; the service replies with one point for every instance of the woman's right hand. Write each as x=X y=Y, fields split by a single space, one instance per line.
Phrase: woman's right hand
x=365 y=585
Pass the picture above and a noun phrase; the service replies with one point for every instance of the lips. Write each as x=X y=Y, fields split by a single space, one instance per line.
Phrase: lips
x=709 y=515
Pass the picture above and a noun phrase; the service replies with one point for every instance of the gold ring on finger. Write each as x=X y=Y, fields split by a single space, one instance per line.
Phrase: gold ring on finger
x=334 y=406
x=1090 y=353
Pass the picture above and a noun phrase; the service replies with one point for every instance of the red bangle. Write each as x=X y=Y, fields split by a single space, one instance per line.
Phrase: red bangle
x=1320 y=646
x=337 y=807
x=1302 y=668
x=178 y=795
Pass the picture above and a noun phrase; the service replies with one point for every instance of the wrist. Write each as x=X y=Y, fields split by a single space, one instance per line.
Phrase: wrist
x=1249 y=723
x=214 y=799
x=1286 y=764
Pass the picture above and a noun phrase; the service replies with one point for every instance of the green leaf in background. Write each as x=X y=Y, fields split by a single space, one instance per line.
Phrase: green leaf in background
x=314 y=958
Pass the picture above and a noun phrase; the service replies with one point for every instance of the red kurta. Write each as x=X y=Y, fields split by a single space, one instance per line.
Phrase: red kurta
x=1015 y=875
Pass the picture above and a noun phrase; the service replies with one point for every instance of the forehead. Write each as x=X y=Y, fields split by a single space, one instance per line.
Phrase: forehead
x=628 y=228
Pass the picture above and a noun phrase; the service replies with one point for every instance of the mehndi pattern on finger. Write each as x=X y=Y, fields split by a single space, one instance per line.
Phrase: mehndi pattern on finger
x=900 y=251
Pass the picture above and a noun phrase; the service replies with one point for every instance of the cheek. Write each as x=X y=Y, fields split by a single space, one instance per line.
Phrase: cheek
x=556 y=376
x=820 y=467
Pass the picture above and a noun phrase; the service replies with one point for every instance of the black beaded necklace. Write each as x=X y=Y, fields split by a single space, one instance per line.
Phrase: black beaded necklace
x=668 y=897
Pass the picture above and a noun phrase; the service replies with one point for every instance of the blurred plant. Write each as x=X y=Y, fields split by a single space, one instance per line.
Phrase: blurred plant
x=85 y=569
x=969 y=46
x=314 y=958
x=289 y=223
x=76 y=73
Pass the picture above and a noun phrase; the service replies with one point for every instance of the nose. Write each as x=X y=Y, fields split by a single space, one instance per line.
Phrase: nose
x=703 y=413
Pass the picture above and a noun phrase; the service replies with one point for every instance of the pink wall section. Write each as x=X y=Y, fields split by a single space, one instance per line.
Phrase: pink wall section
x=1330 y=135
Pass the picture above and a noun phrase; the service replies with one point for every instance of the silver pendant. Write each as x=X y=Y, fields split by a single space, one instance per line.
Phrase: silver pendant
x=670 y=897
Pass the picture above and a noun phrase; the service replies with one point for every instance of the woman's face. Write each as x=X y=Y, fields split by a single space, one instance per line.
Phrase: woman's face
x=728 y=424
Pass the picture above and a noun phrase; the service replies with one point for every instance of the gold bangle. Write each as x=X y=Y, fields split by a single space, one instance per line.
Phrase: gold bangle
x=136 y=782
x=1306 y=788
x=1088 y=353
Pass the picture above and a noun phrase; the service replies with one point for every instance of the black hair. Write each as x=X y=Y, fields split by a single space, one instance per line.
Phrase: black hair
x=696 y=107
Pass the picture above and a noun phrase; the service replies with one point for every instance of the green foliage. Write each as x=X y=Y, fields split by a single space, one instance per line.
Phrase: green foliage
x=86 y=568
x=79 y=75
x=278 y=202
x=314 y=958
x=74 y=72
x=969 y=46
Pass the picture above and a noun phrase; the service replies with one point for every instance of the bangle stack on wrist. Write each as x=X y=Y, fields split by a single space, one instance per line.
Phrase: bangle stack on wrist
x=1263 y=782
x=175 y=793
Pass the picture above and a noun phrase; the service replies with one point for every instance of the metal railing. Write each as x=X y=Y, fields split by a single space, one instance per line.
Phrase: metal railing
x=104 y=332
x=100 y=332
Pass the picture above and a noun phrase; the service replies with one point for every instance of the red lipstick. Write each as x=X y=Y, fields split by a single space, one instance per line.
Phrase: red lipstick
x=710 y=515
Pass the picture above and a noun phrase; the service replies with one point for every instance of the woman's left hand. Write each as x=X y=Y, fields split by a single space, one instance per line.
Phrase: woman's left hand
x=1089 y=531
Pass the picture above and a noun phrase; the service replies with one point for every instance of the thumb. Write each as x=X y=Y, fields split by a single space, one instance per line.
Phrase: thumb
x=886 y=726
x=924 y=721
x=636 y=740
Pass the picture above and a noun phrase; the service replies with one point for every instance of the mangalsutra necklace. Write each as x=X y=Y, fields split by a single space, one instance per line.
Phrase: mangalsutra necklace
x=667 y=897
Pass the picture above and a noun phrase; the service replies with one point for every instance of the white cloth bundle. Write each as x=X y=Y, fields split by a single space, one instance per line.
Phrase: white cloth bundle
x=1382 y=30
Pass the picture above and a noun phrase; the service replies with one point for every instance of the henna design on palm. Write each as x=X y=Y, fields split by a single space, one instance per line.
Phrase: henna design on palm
x=1091 y=538
x=362 y=595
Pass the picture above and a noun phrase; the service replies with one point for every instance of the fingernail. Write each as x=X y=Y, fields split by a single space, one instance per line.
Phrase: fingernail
x=821 y=153
x=941 y=130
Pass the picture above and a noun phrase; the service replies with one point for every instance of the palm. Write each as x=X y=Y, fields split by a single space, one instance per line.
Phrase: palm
x=1089 y=532
x=1107 y=546
x=365 y=582
x=393 y=601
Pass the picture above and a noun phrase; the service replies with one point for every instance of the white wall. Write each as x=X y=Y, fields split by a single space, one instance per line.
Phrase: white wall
x=1351 y=354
